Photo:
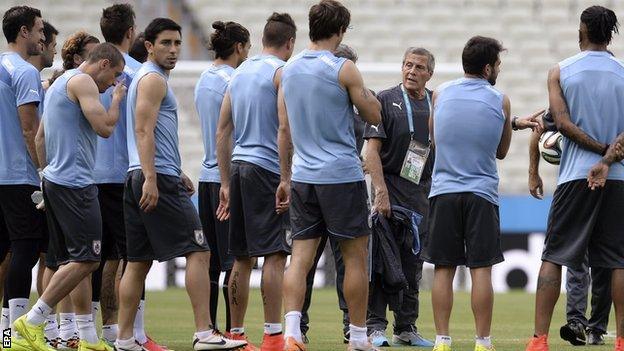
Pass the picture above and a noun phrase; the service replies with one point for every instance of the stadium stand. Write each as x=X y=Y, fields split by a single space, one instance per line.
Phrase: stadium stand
x=537 y=34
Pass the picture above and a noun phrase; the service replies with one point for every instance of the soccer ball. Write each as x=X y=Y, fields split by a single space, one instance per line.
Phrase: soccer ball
x=550 y=147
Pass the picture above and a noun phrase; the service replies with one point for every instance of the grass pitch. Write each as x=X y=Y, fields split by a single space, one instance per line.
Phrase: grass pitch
x=169 y=321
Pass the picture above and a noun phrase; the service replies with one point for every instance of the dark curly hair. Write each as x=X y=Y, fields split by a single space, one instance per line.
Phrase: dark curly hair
x=75 y=45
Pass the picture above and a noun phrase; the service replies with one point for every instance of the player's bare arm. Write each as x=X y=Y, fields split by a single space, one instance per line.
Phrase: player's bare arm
x=375 y=169
x=536 y=186
x=151 y=90
x=225 y=129
x=82 y=89
x=29 y=120
x=363 y=99
x=561 y=115
x=40 y=145
x=505 y=142
x=615 y=152
x=285 y=151
x=434 y=97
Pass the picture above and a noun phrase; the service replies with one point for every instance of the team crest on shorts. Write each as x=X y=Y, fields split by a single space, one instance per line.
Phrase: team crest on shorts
x=199 y=237
x=289 y=238
x=97 y=246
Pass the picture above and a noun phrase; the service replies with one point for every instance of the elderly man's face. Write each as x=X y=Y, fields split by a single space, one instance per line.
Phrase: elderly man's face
x=415 y=72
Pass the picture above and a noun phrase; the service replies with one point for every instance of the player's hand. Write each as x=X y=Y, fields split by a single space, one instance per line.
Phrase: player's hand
x=37 y=198
x=536 y=186
x=531 y=121
x=119 y=92
x=597 y=176
x=149 y=198
x=282 y=197
x=188 y=184
x=223 y=210
x=382 y=203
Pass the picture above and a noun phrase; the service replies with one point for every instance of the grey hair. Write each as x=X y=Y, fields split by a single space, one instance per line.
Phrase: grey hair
x=347 y=52
x=421 y=52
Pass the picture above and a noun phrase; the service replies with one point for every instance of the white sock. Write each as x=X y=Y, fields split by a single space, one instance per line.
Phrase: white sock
x=51 y=329
x=17 y=308
x=4 y=319
x=443 y=340
x=67 y=325
x=238 y=330
x=139 y=326
x=109 y=332
x=38 y=313
x=126 y=343
x=272 y=328
x=86 y=328
x=357 y=334
x=95 y=308
x=292 y=320
x=485 y=341
x=201 y=335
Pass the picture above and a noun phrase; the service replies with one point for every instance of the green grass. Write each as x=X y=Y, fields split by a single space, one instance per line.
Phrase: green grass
x=169 y=321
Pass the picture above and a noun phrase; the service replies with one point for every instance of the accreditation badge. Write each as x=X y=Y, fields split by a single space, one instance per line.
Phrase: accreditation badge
x=414 y=162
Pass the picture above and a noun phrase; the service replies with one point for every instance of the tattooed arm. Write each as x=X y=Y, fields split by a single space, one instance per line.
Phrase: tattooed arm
x=615 y=153
x=366 y=103
x=561 y=114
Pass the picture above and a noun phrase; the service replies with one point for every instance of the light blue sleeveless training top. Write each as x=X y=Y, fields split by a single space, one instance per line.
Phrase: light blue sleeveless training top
x=468 y=125
x=321 y=116
x=167 y=157
x=70 y=141
x=593 y=86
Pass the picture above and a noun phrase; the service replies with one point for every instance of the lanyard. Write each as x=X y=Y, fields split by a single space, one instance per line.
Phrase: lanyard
x=408 y=106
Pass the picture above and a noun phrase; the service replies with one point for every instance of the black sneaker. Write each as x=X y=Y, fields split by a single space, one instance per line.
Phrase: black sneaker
x=304 y=338
x=345 y=337
x=595 y=337
x=574 y=333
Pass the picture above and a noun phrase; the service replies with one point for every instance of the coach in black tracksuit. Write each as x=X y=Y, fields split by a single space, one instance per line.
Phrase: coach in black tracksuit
x=405 y=117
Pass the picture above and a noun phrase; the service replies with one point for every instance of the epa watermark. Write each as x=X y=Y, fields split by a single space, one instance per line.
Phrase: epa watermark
x=6 y=338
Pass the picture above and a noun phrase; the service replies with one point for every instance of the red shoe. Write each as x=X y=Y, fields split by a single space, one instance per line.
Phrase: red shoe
x=293 y=345
x=151 y=345
x=272 y=342
x=249 y=347
x=619 y=344
x=539 y=343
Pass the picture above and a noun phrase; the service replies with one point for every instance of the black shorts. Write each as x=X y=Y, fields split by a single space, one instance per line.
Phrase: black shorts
x=582 y=220
x=74 y=222
x=44 y=242
x=216 y=231
x=113 y=225
x=338 y=210
x=464 y=229
x=22 y=220
x=170 y=230
x=50 y=257
x=255 y=228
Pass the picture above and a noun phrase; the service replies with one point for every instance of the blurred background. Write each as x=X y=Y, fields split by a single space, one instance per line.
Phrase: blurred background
x=536 y=33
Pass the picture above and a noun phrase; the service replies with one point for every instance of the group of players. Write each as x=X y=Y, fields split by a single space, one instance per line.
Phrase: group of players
x=281 y=173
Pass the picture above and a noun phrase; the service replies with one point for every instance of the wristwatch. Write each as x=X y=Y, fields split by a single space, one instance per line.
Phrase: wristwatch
x=514 y=126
